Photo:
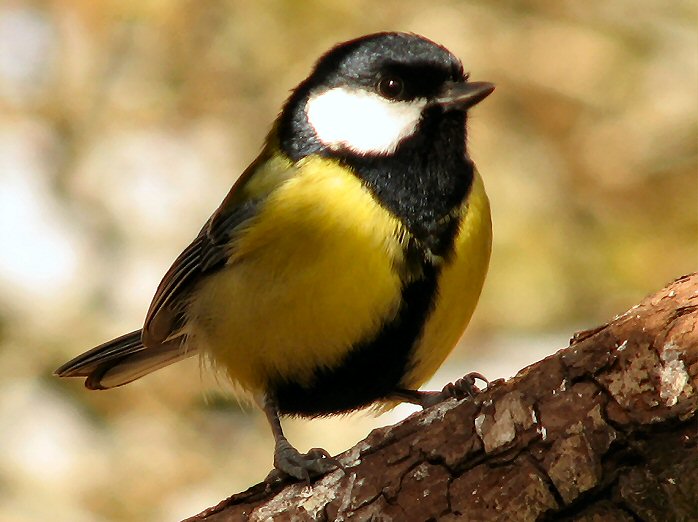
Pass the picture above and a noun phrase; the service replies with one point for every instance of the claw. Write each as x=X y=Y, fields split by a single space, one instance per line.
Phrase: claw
x=461 y=389
x=303 y=466
x=464 y=387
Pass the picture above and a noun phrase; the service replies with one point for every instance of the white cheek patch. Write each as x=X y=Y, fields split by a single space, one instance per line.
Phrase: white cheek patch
x=361 y=121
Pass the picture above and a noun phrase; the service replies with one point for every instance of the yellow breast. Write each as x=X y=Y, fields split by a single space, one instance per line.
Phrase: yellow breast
x=309 y=277
x=317 y=272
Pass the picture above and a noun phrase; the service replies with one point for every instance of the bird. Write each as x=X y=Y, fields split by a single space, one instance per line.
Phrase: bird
x=345 y=262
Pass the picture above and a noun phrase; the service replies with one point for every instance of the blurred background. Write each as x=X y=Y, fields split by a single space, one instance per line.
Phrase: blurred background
x=123 y=124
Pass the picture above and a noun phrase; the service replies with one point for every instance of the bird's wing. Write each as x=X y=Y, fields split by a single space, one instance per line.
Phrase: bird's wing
x=211 y=249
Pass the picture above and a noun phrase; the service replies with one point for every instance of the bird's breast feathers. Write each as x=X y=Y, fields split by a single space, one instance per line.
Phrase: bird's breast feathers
x=319 y=269
x=309 y=275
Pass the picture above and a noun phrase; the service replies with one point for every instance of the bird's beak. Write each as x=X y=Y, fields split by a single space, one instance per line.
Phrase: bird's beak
x=462 y=95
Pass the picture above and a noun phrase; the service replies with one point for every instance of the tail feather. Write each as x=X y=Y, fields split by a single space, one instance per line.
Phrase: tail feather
x=84 y=364
x=122 y=360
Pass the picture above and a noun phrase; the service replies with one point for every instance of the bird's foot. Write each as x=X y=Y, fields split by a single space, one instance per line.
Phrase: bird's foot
x=288 y=461
x=464 y=387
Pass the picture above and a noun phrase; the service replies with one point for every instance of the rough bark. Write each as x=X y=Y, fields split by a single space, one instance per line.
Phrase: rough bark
x=604 y=430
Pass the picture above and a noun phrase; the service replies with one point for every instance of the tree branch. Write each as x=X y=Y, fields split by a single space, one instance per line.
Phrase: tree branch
x=602 y=430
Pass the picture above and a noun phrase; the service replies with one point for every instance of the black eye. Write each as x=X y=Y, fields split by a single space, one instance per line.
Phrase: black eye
x=390 y=87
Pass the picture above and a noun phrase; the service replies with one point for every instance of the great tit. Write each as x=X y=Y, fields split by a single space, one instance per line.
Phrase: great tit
x=344 y=264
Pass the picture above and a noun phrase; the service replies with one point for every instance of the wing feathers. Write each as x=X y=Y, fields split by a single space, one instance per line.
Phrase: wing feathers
x=161 y=320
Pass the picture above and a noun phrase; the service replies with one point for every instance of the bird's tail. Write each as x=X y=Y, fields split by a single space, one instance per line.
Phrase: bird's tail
x=122 y=360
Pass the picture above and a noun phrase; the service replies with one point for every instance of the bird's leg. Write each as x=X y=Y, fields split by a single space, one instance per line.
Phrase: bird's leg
x=287 y=459
x=462 y=388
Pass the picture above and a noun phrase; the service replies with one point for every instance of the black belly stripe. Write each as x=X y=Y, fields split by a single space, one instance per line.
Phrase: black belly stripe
x=371 y=370
x=422 y=184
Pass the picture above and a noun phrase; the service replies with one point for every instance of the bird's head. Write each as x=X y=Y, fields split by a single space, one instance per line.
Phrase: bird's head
x=372 y=96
